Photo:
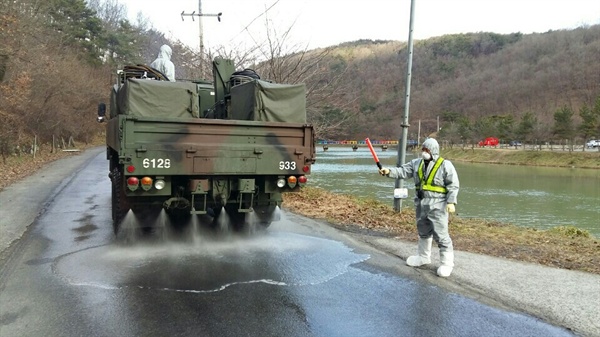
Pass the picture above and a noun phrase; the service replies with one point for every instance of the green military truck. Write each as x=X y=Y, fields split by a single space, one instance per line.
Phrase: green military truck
x=233 y=145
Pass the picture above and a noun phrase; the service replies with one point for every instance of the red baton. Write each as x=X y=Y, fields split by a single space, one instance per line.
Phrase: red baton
x=373 y=153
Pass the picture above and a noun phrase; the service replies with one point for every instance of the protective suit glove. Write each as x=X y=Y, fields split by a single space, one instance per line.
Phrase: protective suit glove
x=450 y=208
x=384 y=171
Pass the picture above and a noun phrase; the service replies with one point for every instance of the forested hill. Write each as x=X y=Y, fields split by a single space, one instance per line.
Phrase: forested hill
x=533 y=86
x=58 y=59
x=57 y=62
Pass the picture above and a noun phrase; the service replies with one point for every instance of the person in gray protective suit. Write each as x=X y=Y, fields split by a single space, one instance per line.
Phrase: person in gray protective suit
x=436 y=186
x=163 y=63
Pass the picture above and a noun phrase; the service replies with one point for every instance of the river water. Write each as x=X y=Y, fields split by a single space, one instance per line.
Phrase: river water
x=537 y=197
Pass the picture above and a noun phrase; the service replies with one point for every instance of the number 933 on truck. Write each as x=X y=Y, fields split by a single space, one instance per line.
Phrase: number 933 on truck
x=195 y=148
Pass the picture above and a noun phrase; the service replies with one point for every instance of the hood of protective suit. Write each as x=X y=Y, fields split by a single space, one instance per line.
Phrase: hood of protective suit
x=432 y=145
x=165 y=52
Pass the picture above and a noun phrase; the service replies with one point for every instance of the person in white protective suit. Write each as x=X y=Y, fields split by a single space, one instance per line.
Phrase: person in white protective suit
x=163 y=63
x=436 y=186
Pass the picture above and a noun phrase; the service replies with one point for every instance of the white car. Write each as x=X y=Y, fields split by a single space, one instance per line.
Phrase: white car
x=593 y=143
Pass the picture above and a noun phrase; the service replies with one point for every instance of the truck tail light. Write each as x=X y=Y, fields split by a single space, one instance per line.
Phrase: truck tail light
x=306 y=169
x=146 y=183
x=292 y=180
x=133 y=183
x=280 y=182
x=130 y=168
x=302 y=180
x=159 y=184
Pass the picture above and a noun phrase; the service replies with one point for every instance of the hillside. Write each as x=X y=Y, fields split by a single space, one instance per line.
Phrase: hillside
x=482 y=81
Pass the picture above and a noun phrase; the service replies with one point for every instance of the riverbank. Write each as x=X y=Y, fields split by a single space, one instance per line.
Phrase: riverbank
x=510 y=156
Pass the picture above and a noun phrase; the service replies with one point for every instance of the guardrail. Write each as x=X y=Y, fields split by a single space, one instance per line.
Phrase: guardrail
x=530 y=147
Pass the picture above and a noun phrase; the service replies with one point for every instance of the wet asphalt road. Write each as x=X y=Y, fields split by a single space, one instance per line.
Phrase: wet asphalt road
x=68 y=276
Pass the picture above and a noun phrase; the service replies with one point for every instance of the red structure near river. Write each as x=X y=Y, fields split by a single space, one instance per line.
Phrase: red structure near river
x=489 y=141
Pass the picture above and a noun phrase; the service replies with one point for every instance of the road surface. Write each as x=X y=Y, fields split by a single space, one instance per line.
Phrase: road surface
x=64 y=274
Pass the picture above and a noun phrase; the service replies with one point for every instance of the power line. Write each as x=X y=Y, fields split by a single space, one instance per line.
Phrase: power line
x=245 y=29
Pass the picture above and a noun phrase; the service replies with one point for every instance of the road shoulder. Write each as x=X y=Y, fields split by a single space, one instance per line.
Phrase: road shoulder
x=22 y=202
x=566 y=298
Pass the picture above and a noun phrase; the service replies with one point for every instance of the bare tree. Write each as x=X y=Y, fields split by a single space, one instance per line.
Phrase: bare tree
x=111 y=12
x=331 y=102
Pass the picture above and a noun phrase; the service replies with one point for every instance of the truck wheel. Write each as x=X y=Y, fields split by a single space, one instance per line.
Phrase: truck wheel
x=120 y=206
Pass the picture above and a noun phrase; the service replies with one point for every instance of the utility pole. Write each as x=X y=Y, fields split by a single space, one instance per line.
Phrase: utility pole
x=402 y=143
x=201 y=34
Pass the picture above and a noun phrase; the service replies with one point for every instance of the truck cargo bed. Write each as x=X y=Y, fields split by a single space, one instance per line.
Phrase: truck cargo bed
x=210 y=146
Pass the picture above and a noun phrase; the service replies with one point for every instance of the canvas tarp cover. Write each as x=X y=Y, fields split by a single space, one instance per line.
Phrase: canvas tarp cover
x=269 y=102
x=151 y=98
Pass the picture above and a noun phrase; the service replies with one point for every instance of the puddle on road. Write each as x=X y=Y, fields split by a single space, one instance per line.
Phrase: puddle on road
x=210 y=265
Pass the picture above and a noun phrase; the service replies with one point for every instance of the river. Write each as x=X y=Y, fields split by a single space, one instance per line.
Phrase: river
x=537 y=197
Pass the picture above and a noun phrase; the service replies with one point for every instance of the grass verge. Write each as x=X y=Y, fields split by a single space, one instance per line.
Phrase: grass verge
x=15 y=168
x=561 y=247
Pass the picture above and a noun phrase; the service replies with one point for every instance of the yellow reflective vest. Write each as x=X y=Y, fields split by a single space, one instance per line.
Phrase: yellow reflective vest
x=427 y=185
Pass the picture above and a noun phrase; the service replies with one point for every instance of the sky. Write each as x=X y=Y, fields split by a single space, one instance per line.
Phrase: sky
x=322 y=23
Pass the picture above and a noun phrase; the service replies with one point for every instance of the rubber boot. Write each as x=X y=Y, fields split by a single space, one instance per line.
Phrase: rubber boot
x=424 y=253
x=447 y=260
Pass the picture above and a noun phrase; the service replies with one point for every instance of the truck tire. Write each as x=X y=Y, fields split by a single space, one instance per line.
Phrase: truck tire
x=120 y=206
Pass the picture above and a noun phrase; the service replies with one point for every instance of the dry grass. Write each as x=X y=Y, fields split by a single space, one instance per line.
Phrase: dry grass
x=563 y=247
x=18 y=167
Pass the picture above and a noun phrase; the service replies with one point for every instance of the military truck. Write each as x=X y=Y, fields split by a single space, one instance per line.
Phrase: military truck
x=235 y=144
